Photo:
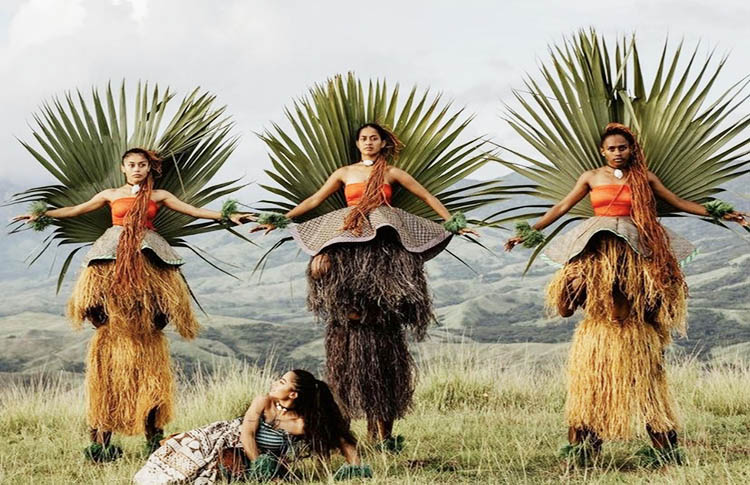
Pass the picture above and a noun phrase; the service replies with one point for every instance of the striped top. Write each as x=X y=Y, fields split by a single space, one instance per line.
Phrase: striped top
x=271 y=440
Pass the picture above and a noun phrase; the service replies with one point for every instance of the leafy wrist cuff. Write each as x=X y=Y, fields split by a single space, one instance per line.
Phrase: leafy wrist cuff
x=347 y=472
x=229 y=207
x=41 y=219
x=718 y=208
x=455 y=223
x=530 y=237
x=279 y=221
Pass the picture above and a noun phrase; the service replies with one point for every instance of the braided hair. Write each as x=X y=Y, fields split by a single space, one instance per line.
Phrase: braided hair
x=663 y=265
x=373 y=196
x=129 y=264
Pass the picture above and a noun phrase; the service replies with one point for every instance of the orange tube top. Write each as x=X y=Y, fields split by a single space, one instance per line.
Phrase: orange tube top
x=120 y=208
x=353 y=192
x=611 y=200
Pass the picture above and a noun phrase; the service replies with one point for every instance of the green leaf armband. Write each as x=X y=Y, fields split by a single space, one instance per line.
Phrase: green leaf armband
x=279 y=221
x=348 y=472
x=718 y=208
x=41 y=219
x=455 y=223
x=530 y=237
x=229 y=207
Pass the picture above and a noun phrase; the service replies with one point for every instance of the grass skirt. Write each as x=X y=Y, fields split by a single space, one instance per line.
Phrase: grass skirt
x=128 y=367
x=616 y=375
x=368 y=361
x=127 y=377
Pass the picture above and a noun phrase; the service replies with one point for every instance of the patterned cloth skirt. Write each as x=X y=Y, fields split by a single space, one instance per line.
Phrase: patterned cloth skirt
x=416 y=234
x=197 y=456
x=192 y=456
x=105 y=248
x=572 y=243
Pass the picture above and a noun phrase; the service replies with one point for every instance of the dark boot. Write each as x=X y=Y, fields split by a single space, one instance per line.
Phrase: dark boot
x=154 y=435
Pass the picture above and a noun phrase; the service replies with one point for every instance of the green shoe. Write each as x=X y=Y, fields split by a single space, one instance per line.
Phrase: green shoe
x=650 y=457
x=581 y=455
x=392 y=444
x=97 y=453
x=152 y=444
x=348 y=472
x=263 y=469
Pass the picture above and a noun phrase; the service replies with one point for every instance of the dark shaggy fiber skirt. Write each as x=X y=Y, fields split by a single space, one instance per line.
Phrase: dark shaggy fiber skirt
x=368 y=361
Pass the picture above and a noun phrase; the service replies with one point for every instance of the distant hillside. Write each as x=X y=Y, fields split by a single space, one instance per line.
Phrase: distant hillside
x=248 y=318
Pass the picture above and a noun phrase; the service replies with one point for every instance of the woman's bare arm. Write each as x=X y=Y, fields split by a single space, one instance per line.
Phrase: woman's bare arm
x=663 y=193
x=96 y=202
x=172 y=202
x=580 y=190
x=334 y=183
x=672 y=199
x=249 y=427
x=410 y=183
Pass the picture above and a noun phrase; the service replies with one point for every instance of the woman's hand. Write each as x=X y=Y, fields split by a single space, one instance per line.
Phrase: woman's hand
x=467 y=230
x=28 y=218
x=241 y=218
x=738 y=217
x=268 y=228
x=512 y=242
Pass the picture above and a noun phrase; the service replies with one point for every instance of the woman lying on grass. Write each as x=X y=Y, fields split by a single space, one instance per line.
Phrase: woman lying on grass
x=299 y=410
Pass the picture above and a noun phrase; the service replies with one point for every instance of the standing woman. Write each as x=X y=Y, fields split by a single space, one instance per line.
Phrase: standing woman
x=623 y=268
x=130 y=288
x=366 y=279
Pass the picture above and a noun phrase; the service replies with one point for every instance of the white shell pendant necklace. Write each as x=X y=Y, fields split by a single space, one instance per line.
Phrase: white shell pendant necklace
x=367 y=163
x=135 y=188
x=618 y=174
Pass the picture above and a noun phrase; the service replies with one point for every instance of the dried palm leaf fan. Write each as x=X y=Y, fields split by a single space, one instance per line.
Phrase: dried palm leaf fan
x=81 y=145
x=692 y=139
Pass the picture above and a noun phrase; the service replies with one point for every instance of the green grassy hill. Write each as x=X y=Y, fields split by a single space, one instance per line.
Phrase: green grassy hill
x=486 y=413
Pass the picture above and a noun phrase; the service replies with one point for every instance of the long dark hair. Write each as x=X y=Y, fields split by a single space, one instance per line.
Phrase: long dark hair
x=325 y=425
x=129 y=266
x=373 y=195
x=665 y=268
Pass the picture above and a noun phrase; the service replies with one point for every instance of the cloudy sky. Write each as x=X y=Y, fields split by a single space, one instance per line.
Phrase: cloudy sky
x=258 y=56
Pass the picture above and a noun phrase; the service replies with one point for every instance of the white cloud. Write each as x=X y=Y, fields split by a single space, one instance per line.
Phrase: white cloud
x=140 y=9
x=257 y=55
x=40 y=21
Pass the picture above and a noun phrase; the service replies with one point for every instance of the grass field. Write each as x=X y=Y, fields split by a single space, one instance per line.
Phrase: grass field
x=474 y=421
